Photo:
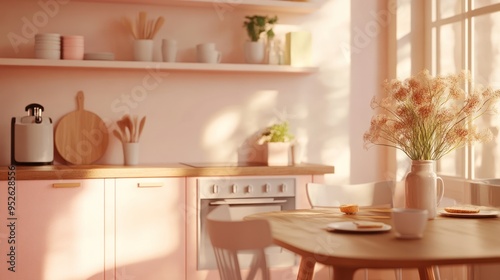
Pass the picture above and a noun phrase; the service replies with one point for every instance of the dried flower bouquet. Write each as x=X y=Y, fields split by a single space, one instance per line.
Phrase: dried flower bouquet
x=427 y=117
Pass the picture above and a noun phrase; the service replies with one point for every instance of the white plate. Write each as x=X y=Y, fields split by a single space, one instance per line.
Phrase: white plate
x=481 y=214
x=350 y=226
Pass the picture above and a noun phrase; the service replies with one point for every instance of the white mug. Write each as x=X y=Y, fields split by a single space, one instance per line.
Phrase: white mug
x=409 y=223
x=169 y=50
x=206 y=53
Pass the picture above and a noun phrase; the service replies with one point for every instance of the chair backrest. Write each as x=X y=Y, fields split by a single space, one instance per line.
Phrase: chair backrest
x=229 y=237
x=366 y=194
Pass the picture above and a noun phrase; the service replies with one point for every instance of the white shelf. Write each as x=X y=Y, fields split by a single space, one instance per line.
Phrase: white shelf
x=264 y=5
x=164 y=66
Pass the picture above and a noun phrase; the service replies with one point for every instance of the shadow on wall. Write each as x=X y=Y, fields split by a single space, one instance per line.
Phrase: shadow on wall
x=251 y=152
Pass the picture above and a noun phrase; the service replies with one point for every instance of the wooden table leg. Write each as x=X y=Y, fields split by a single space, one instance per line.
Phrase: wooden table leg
x=343 y=273
x=426 y=273
x=306 y=269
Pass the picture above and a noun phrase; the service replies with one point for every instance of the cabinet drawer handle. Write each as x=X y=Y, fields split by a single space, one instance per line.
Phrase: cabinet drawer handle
x=66 y=185
x=150 y=185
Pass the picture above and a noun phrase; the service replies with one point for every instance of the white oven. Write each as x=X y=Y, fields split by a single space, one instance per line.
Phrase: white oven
x=245 y=197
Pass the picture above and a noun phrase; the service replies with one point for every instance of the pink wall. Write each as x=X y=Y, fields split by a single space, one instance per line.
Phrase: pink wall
x=194 y=116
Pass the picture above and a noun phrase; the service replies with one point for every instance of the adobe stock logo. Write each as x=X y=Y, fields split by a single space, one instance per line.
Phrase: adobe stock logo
x=30 y=27
x=223 y=6
x=362 y=37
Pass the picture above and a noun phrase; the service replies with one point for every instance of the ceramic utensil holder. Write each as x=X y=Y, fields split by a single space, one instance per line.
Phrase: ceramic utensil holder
x=143 y=50
x=131 y=153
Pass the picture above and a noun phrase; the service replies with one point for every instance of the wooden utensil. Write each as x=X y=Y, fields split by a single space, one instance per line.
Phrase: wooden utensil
x=123 y=129
x=128 y=124
x=142 y=25
x=158 y=24
x=141 y=127
x=81 y=137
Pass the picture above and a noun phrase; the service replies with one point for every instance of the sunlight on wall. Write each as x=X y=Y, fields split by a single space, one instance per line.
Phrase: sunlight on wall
x=403 y=38
x=226 y=125
x=333 y=40
x=221 y=129
x=327 y=113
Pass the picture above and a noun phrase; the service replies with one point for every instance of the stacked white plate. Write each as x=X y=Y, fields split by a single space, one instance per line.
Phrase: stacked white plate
x=72 y=47
x=48 y=46
x=99 y=56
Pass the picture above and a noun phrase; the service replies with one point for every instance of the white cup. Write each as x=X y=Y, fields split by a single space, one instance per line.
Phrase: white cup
x=409 y=223
x=207 y=53
x=169 y=50
x=131 y=153
x=143 y=50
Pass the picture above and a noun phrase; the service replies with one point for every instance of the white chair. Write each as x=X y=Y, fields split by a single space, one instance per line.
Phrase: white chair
x=367 y=194
x=230 y=237
x=379 y=194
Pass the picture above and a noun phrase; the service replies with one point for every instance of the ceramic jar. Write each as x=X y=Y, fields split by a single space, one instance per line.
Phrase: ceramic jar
x=423 y=188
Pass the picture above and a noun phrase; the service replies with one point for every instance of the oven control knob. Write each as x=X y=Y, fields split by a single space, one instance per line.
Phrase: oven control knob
x=234 y=188
x=215 y=189
x=249 y=189
x=283 y=188
x=267 y=188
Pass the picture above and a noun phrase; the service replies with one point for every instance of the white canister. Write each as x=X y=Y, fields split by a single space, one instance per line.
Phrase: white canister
x=143 y=50
x=131 y=153
x=169 y=50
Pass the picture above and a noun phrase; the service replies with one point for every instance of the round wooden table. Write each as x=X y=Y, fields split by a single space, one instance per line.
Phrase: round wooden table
x=446 y=241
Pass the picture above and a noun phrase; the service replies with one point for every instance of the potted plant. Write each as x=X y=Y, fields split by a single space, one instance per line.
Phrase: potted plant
x=278 y=139
x=256 y=26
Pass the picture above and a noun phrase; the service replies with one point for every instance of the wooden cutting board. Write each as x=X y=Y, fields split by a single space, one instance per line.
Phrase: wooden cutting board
x=81 y=137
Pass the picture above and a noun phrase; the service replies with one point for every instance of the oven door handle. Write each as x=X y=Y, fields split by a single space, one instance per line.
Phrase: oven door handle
x=247 y=202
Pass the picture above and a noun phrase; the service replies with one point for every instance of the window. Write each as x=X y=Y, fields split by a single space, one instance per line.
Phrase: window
x=447 y=36
x=466 y=35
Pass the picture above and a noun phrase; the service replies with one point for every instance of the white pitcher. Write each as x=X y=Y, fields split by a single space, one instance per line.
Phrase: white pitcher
x=423 y=188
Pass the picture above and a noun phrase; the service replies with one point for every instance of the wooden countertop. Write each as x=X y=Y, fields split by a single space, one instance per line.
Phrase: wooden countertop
x=55 y=172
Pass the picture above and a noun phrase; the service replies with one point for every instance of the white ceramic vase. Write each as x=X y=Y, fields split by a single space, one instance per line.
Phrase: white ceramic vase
x=423 y=188
x=255 y=52
x=278 y=153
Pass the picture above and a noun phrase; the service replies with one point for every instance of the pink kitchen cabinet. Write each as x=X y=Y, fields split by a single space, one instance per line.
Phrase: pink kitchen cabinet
x=150 y=228
x=52 y=230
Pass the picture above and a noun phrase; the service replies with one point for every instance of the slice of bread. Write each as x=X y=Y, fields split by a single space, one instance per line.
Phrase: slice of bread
x=462 y=209
x=349 y=208
x=368 y=224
